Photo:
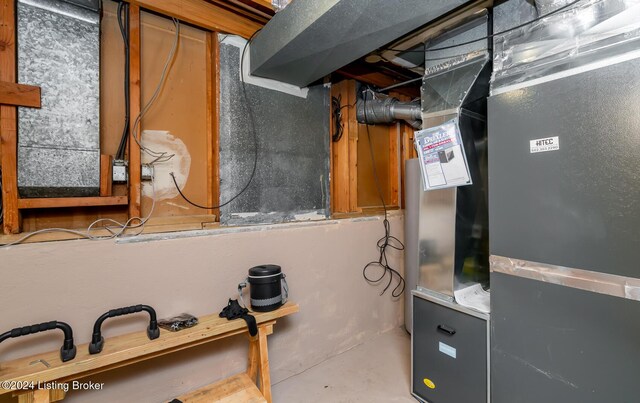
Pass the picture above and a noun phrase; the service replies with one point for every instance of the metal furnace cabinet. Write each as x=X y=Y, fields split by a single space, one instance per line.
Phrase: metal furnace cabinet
x=450 y=355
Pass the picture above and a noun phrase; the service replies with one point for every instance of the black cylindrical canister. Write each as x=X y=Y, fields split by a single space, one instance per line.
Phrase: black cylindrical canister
x=266 y=289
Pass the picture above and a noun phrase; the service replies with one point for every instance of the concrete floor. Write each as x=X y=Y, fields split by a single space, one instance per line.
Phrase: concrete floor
x=376 y=371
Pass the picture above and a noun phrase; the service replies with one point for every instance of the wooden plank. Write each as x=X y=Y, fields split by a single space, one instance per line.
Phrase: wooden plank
x=213 y=127
x=105 y=175
x=53 y=202
x=134 y=111
x=19 y=94
x=236 y=389
x=339 y=160
x=202 y=14
x=351 y=130
x=394 y=163
x=265 y=374
x=253 y=360
x=40 y=395
x=131 y=348
x=154 y=225
x=8 y=121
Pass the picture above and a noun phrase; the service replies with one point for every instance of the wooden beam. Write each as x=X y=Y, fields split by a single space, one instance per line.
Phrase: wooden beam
x=370 y=76
x=58 y=202
x=106 y=177
x=8 y=121
x=134 y=111
x=340 y=156
x=394 y=163
x=202 y=14
x=19 y=94
x=352 y=133
x=213 y=113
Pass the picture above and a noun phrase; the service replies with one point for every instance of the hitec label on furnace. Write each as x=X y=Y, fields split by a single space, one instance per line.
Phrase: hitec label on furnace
x=543 y=145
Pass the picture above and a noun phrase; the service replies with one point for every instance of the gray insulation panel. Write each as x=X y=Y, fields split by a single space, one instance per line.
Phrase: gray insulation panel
x=558 y=344
x=59 y=144
x=292 y=177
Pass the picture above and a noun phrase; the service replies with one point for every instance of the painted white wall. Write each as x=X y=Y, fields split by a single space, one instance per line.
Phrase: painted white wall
x=76 y=281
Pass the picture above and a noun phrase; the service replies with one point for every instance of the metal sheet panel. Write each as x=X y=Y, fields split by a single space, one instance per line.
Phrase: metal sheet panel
x=456 y=364
x=310 y=38
x=576 y=206
x=558 y=344
x=59 y=144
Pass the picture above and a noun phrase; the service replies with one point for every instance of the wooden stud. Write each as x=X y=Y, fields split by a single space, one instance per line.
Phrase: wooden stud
x=201 y=14
x=254 y=359
x=340 y=156
x=265 y=377
x=136 y=99
x=19 y=94
x=352 y=132
x=8 y=121
x=53 y=202
x=213 y=113
x=394 y=162
x=106 y=176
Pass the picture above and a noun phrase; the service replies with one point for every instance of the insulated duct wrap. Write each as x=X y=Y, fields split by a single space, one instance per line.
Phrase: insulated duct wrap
x=387 y=110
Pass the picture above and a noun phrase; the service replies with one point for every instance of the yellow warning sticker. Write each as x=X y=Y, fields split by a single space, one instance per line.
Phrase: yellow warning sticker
x=429 y=383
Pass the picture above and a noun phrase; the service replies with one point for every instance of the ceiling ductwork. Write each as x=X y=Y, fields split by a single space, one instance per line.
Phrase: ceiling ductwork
x=312 y=38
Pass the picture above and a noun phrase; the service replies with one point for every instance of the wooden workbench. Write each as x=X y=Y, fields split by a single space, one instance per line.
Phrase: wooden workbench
x=131 y=348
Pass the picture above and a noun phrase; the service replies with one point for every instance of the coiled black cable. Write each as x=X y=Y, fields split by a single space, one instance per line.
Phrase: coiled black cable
x=388 y=240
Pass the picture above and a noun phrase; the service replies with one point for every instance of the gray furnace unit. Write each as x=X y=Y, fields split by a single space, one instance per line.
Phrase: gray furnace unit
x=564 y=174
x=58 y=49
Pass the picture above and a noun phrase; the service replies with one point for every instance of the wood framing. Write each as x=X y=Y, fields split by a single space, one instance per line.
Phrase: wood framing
x=19 y=94
x=394 y=163
x=8 y=121
x=202 y=14
x=213 y=113
x=52 y=202
x=134 y=111
x=344 y=153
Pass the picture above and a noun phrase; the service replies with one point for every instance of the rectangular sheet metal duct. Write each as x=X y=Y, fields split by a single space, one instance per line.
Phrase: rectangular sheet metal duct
x=312 y=38
x=59 y=144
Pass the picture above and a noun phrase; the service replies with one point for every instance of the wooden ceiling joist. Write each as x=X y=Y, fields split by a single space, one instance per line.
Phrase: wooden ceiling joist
x=203 y=14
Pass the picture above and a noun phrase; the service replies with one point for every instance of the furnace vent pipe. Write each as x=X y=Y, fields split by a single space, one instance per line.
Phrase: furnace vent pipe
x=388 y=110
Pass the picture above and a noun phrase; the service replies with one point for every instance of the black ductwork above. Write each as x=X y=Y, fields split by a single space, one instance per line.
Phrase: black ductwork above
x=312 y=38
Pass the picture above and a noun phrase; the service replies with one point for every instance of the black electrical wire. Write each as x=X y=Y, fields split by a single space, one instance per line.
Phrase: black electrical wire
x=549 y=14
x=387 y=241
x=255 y=140
x=124 y=31
x=338 y=126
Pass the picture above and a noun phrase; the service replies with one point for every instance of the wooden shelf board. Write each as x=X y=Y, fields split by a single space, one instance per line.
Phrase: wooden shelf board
x=130 y=348
x=238 y=388
x=57 y=202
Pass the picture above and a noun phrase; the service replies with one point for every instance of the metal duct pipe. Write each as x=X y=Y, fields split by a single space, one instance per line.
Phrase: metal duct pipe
x=388 y=110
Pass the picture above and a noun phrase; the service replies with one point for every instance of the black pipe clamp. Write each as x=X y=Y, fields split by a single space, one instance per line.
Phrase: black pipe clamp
x=68 y=349
x=97 y=341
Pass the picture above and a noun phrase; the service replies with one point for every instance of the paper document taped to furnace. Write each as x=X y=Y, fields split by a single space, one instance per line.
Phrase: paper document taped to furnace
x=474 y=297
x=442 y=157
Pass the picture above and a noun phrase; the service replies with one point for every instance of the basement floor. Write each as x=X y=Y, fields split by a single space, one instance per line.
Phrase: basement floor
x=375 y=372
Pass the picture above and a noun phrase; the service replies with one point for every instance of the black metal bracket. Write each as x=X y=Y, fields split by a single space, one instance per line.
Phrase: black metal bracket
x=68 y=349
x=97 y=341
